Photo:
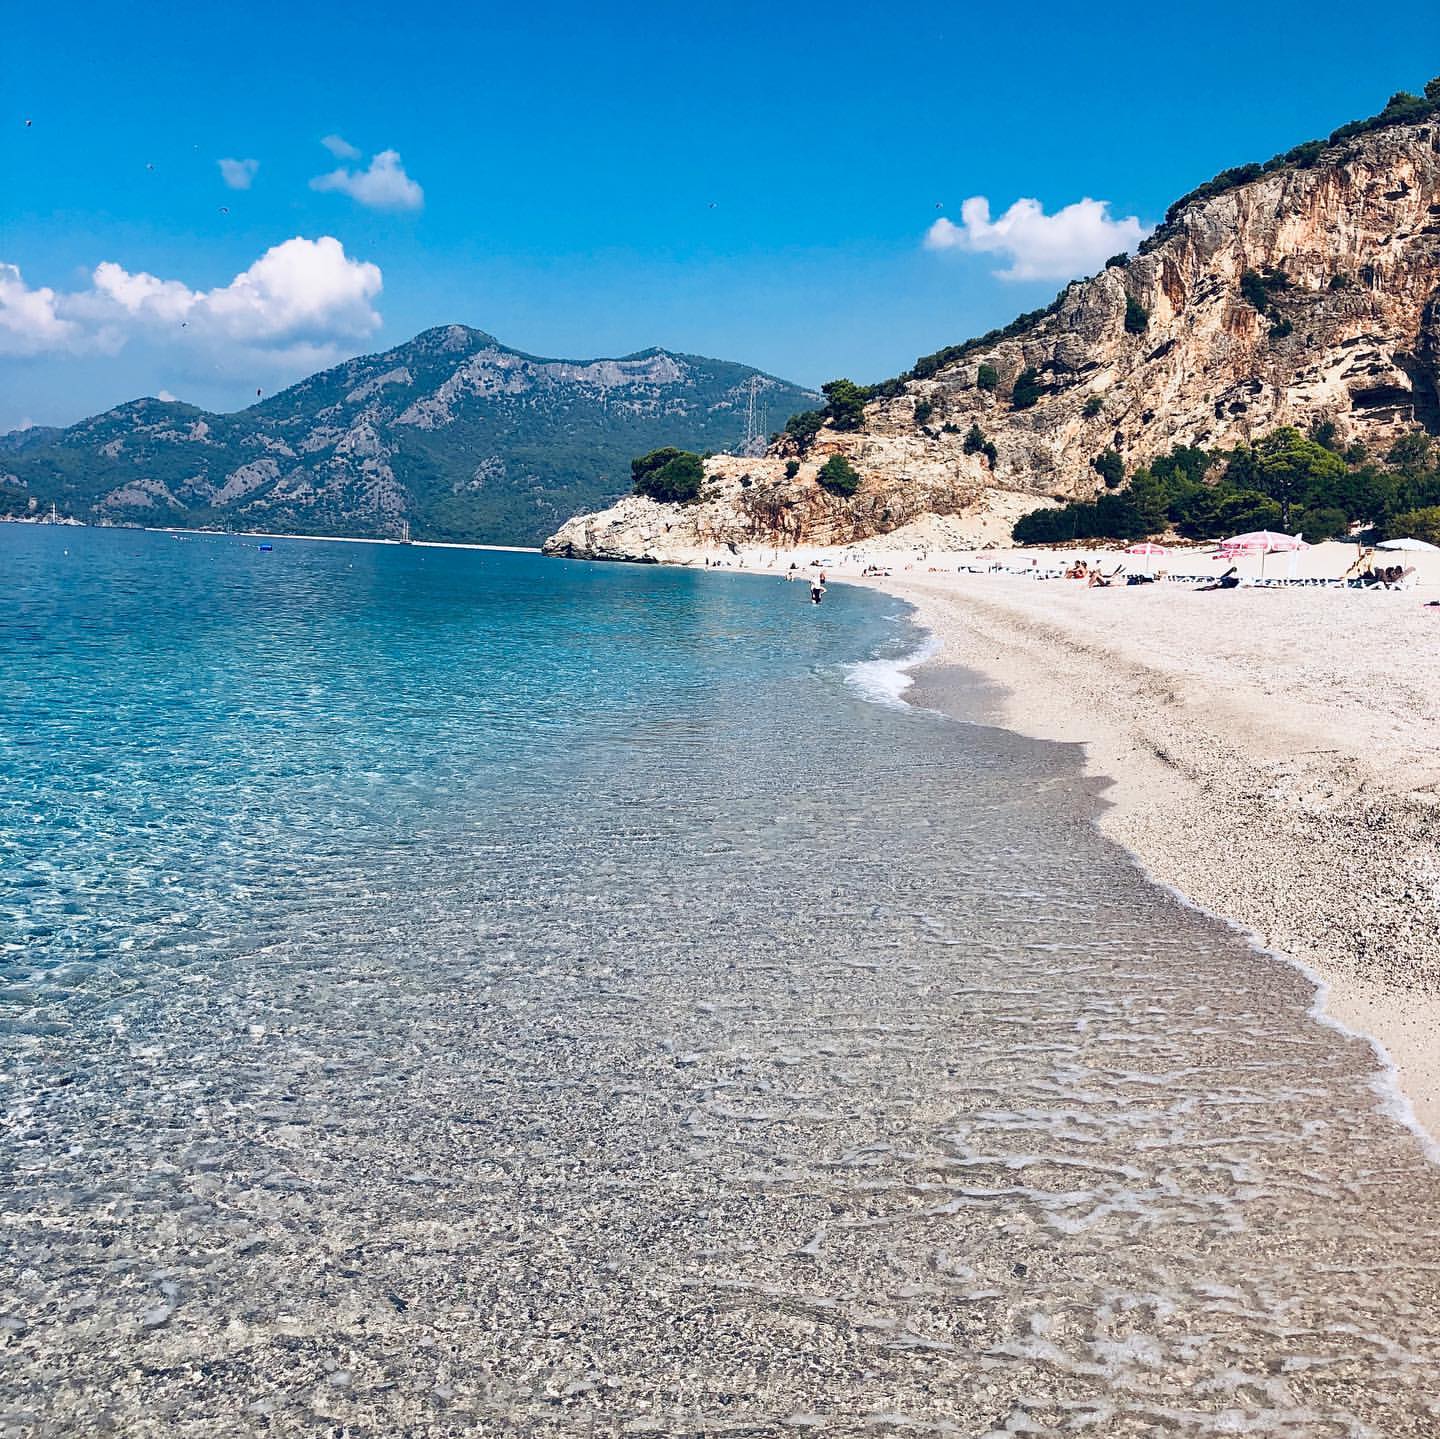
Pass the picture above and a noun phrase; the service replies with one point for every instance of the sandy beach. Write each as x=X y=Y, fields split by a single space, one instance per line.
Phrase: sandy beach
x=1270 y=753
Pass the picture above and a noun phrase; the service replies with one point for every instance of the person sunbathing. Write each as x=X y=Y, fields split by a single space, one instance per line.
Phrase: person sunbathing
x=1228 y=581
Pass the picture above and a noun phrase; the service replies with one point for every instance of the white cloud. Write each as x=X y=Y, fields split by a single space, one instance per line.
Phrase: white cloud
x=238 y=173
x=300 y=301
x=167 y=397
x=384 y=186
x=30 y=321
x=340 y=148
x=1076 y=240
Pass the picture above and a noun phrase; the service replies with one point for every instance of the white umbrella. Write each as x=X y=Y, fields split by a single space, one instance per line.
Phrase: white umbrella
x=1405 y=545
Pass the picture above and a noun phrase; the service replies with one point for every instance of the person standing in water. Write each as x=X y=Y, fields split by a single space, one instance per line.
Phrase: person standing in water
x=817 y=591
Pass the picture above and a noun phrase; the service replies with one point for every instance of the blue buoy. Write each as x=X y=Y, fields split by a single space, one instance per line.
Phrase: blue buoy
x=267 y=547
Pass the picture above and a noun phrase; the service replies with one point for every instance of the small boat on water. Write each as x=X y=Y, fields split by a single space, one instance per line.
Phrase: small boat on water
x=263 y=548
x=404 y=534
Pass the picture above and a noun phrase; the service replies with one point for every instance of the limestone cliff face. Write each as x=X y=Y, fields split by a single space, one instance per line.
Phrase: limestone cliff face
x=1350 y=332
x=749 y=502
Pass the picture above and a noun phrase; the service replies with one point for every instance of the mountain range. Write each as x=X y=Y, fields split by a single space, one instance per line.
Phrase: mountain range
x=452 y=433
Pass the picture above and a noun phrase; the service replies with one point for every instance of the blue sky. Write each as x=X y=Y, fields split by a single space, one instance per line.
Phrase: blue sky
x=751 y=181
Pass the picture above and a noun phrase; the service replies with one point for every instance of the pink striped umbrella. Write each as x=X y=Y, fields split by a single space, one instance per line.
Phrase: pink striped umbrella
x=1150 y=550
x=1260 y=542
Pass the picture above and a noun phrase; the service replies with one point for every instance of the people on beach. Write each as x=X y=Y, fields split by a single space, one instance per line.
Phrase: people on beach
x=1230 y=580
x=817 y=591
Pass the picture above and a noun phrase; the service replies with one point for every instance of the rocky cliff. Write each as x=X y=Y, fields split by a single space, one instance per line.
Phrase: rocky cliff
x=1307 y=294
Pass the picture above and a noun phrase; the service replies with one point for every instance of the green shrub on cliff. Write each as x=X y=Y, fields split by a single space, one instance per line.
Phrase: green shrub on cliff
x=803 y=428
x=976 y=444
x=839 y=476
x=669 y=475
x=1137 y=317
x=1027 y=390
x=1412 y=455
x=845 y=404
x=1110 y=467
x=1255 y=288
x=987 y=377
x=1401 y=109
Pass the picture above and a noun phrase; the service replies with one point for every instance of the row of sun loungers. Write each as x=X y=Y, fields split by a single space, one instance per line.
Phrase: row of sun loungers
x=1407 y=580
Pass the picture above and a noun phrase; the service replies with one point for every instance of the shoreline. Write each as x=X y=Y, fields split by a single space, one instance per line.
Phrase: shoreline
x=327 y=539
x=70 y=524
x=1196 y=791
x=1263 y=754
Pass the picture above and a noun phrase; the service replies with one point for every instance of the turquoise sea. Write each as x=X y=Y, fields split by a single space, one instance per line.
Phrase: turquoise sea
x=456 y=992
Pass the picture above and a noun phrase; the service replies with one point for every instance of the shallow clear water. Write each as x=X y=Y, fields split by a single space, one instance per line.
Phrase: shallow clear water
x=462 y=993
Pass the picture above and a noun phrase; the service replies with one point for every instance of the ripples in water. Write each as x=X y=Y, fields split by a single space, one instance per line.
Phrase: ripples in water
x=726 y=1055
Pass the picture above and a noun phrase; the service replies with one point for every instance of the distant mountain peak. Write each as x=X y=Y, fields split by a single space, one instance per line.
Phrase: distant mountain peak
x=453 y=338
x=452 y=431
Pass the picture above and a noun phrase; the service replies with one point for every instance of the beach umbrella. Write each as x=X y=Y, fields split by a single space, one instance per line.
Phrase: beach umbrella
x=1262 y=543
x=1405 y=545
x=1150 y=551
